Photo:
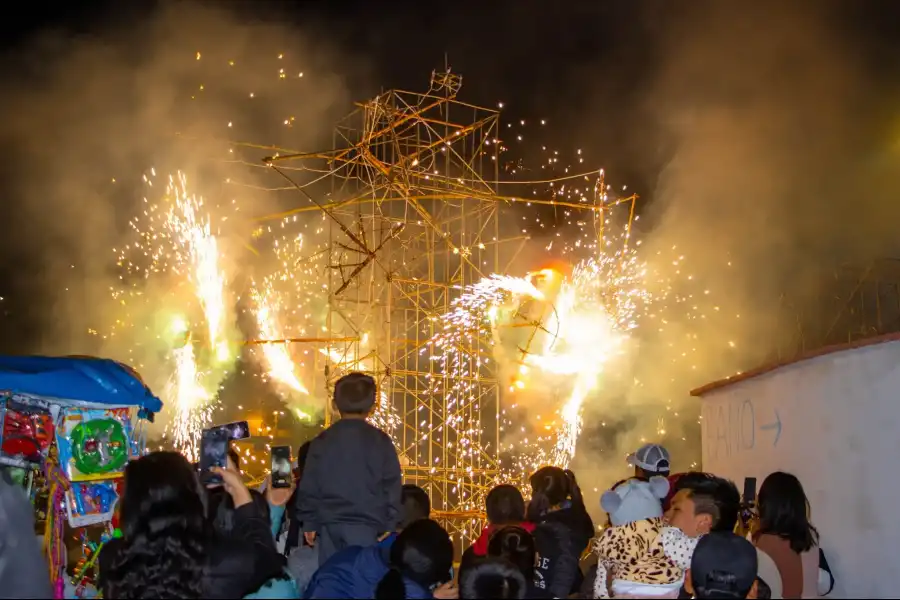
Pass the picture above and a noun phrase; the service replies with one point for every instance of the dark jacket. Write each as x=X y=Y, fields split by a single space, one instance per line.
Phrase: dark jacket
x=561 y=536
x=351 y=476
x=479 y=547
x=353 y=572
x=238 y=565
x=23 y=569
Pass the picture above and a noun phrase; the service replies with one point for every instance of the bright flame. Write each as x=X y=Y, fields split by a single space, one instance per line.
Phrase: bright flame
x=277 y=357
x=191 y=402
x=193 y=233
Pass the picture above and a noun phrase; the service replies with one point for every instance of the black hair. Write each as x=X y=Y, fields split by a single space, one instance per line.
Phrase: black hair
x=505 y=505
x=574 y=489
x=492 y=578
x=550 y=486
x=714 y=496
x=354 y=394
x=423 y=554
x=516 y=546
x=763 y=591
x=164 y=531
x=415 y=504
x=783 y=511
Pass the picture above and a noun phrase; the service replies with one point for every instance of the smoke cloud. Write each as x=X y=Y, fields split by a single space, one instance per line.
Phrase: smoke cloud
x=777 y=172
x=171 y=91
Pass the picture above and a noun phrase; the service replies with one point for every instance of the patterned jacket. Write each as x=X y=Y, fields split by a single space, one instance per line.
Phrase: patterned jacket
x=645 y=552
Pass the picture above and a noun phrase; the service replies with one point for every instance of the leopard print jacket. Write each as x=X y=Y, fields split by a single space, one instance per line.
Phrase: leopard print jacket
x=642 y=552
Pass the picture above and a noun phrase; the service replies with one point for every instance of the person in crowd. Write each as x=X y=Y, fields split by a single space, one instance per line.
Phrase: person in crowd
x=350 y=490
x=703 y=503
x=492 y=578
x=650 y=460
x=168 y=547
x=786 y=535
x=723 y=566
x=354 y=572
x=287 y=529
x=221 y=516
x=563 y=530
x=516 y=546
x=23 y=568
x=504 y=506
x=302 y=558
x=421 y=560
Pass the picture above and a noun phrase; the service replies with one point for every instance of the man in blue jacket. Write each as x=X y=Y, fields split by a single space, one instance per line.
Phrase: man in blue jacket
x=354 y=572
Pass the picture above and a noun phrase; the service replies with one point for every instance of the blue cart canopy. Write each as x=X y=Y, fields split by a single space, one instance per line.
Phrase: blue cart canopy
x=73 y=380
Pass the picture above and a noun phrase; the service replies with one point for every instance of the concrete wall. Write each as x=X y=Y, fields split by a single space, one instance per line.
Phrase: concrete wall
x=834 y=422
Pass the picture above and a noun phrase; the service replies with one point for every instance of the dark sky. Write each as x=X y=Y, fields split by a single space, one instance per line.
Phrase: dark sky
x=557 y=60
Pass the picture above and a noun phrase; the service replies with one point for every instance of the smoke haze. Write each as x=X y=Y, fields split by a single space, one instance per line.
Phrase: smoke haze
x=94 y=113
x=771 y=124
x=770 y=115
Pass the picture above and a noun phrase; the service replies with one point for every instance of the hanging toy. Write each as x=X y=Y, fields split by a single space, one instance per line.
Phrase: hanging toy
x=95 y=443
x=99 y=446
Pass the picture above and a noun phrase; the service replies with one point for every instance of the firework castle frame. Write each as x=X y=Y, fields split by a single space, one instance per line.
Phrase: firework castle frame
x=413 y=216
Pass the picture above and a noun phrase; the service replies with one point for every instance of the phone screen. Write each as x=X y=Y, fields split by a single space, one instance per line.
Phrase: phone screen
x=239 y=430
x=749 y=490
x=281 y=466
x=213 y=453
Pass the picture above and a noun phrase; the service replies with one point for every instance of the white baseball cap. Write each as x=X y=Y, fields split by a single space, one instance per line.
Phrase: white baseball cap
x=650 y=457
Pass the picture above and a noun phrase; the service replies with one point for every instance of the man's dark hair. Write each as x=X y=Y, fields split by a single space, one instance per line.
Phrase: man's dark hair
x=415 y=505
x=714 y=496
x=505 y=505
x=354 y=394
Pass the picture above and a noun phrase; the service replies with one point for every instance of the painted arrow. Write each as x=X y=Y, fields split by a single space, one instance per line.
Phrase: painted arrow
x=776 y=426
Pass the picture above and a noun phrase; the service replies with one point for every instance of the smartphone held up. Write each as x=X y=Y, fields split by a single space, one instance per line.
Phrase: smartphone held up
x=213 y=453
x=281 y=467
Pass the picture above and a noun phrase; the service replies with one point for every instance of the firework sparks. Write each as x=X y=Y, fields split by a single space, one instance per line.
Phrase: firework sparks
x=192 y=233
x=191 y=402
x=277 y=356
x=177 y=242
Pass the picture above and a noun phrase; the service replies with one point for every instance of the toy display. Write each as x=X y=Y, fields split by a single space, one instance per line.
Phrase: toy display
x=73 y=424
x=95 y=443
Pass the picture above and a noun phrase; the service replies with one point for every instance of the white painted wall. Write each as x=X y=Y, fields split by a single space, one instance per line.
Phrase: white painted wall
x=834 y=422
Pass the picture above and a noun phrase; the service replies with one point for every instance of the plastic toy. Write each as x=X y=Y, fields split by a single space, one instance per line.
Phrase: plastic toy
x=74 y=422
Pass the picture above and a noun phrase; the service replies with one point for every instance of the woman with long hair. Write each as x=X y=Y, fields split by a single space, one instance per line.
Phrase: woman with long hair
x=168 y=547
x=563 y=530
x=786 y=535
x=421 y=558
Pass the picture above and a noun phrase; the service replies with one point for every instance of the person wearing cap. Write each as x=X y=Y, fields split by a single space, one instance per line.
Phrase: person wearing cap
x=724 y=565
x=650 y=460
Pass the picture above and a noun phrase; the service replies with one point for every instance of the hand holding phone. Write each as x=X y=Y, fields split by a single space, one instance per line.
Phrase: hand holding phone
x=213 y=453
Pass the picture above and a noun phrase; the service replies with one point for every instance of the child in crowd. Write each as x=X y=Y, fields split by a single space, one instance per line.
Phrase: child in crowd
x=350 y=490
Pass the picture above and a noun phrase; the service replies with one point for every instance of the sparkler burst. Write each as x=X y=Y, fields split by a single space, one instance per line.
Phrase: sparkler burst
x=276 y=355
x=177 y=261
